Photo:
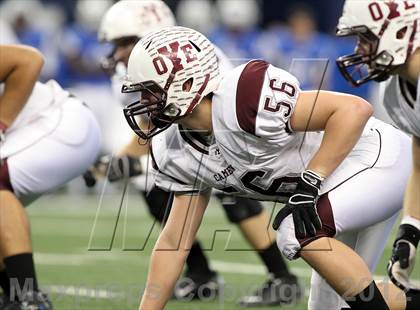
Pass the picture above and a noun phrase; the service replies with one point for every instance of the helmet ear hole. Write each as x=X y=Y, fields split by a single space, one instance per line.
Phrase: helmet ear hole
x=188 y=85
x=401 y=33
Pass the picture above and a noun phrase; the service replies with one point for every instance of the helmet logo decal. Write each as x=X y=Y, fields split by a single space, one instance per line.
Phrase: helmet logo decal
x=160 y=65
x=150 y=10
x=377 y=13
x=188 y=54
x=408 y=5
x=172 y=56
x=393 y=10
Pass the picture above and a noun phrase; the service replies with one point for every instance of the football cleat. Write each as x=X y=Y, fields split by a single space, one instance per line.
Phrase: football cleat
x=198 y=286
x=274 y=292
x=31 y=301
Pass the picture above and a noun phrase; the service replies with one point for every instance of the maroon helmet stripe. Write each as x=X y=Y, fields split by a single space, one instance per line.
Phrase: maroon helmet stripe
x=383 y=28
x=248 y=94
x=197 y=97
x=412 y=36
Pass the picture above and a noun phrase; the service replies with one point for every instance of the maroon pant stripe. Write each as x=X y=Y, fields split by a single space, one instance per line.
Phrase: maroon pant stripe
x=4 y=176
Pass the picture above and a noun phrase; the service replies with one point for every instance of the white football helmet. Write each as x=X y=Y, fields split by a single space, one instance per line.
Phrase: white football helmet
x=238 y=14
x=161 y=68
x=388 y=33
x=128 y=20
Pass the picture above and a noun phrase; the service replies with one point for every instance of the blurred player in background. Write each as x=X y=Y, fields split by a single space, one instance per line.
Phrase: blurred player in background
x=36 y=24
x=268 y=140
x=388 y=47
x=238 y=29
x=80 y=49
x=300 y=39
x=123 y=25
x=296 y=47
x=47 y=138
x=199 y=15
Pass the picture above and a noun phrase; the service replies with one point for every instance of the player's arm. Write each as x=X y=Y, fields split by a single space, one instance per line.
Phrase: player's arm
x=134 y=148
x=19 y=70
x=401 y=264
x=172 y=248
x=342 y=117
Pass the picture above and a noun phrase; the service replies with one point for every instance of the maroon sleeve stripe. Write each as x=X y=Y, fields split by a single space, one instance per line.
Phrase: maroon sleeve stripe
x=248 y=94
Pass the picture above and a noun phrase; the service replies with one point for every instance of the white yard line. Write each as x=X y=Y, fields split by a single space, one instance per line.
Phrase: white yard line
x=57 y=259
x=243 y=268
x=81 y=291
x=95 y=258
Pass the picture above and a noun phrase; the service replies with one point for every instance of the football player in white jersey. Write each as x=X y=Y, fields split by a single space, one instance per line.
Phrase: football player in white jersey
x=253 y=133
x=123 y=25
x=388 y=47
x=47 y=138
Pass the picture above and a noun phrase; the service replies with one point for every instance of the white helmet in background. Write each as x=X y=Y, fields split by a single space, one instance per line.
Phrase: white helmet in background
x=238 y=14
x=388 y=33
x=199 y=15
x=160 y=68
x=129 y=18
x=89 y=12
x=30 y=11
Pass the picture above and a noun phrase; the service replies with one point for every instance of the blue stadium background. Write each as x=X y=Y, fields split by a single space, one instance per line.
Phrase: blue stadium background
x=73 y=52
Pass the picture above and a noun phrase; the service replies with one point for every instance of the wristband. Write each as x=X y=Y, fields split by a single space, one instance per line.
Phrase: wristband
x=407 y=219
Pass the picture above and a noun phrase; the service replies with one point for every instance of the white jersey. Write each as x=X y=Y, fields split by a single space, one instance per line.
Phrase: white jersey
x=40 y=114
x=403 y=104
x=43 y=97
x=254 y=154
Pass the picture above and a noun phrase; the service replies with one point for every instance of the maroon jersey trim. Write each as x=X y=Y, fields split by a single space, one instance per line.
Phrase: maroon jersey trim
x=194 y=139
x=248 y=94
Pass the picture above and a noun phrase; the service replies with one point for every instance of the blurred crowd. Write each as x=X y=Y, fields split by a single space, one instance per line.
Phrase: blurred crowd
x=65 y=31
x=286 y=33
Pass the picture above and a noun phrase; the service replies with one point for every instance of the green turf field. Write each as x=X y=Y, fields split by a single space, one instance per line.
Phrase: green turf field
x=103 y=278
